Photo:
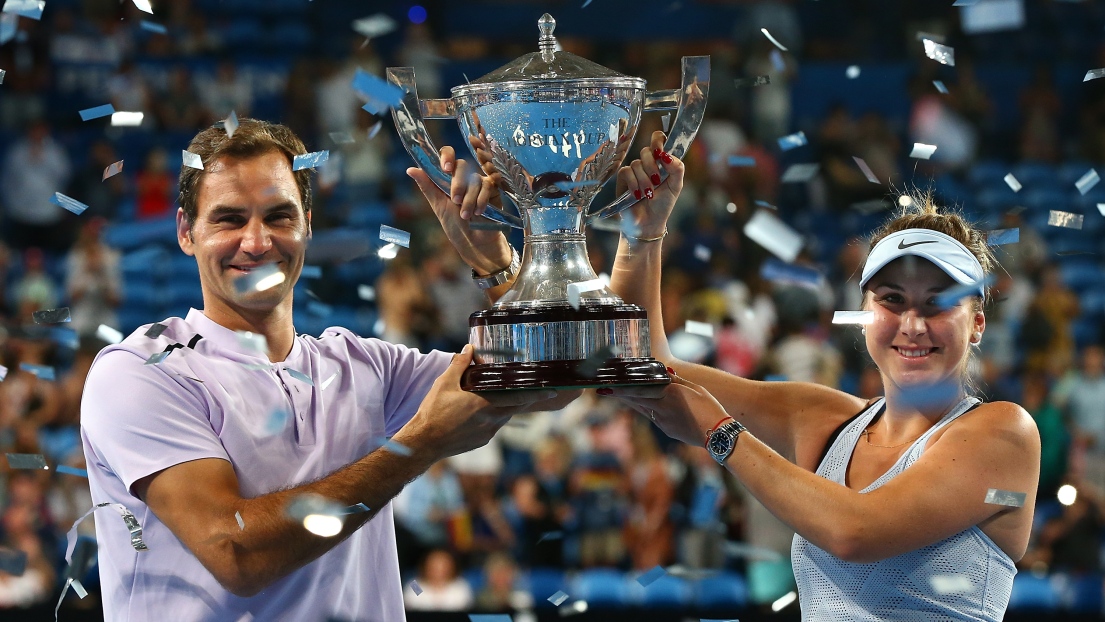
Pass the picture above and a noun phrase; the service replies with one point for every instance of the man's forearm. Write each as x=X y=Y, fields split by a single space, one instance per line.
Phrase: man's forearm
x=271 y=545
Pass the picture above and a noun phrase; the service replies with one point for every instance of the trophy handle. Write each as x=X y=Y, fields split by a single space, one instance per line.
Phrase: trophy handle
x=408 y=117
x=690 y=105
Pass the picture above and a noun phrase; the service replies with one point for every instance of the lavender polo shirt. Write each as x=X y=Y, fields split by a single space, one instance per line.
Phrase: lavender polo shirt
x=219 y=399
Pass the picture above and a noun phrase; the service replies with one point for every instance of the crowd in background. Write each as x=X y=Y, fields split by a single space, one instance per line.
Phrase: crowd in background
x=592 y=486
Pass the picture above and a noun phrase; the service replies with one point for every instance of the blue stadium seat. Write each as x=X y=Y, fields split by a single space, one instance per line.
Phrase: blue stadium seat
x=1086 y=331
x=601 y=587
x=131 y=235
x=1081 y=274
x=987 y=174
x=542 y=583
x=666 y=592
x=243 y=33
x=1036 y=175
x=1033 y=593
x=290 y=37
x=726 y=590
x=1092 y=303
x=1085 y=594
x=368 y=215
x=1045 y=200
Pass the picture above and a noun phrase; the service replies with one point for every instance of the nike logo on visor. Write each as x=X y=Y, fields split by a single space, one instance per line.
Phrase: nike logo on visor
x=903 y=245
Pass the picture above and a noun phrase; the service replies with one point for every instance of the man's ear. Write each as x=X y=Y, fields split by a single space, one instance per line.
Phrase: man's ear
x=184 y=233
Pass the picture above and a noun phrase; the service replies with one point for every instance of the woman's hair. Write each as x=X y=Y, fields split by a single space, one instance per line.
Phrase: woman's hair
x=921 y=212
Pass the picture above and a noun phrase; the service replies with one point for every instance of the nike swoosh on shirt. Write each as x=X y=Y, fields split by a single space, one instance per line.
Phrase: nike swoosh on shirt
x=903 y=245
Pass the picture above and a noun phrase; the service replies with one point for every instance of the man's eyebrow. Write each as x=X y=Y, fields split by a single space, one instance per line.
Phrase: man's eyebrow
x=226 y=210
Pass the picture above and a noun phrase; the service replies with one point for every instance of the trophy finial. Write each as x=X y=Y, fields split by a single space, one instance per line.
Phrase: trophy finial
x=547 y=42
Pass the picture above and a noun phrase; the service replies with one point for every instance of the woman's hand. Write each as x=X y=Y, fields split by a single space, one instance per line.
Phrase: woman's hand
x=642 y=178
x=484 y=250
x=683 y=410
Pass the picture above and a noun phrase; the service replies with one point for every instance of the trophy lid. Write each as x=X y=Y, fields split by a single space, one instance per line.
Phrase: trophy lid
x=549 y=65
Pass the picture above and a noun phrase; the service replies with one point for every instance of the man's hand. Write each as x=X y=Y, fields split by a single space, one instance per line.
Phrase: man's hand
x=451 y=420
x=485 y=251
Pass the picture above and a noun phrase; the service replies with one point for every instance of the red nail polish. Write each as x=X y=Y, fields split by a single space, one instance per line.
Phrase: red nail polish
x=605 y=391
x=637 y=194
x=648 y=193
x=671 y=372
x=665 y=157
x=656 y=153
x=655 y=179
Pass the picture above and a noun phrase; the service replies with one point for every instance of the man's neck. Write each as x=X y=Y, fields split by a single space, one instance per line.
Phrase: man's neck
x=274 y=324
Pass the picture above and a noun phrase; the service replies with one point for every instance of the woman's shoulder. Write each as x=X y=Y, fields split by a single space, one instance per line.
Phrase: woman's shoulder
x=1000 y=421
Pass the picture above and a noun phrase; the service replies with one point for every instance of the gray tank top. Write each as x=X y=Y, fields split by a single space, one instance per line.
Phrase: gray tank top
x=963 y=577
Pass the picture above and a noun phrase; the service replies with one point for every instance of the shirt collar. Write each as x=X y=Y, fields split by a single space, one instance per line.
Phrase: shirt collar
x=226 y=340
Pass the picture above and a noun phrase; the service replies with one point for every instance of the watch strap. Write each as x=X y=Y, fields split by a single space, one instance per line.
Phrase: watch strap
x=496 y=279
x=732 y=430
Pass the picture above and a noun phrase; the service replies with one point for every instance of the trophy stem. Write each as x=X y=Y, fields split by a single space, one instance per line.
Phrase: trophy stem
x=551 y=263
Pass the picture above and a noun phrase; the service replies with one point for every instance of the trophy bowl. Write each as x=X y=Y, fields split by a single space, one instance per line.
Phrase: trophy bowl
x=556 y=127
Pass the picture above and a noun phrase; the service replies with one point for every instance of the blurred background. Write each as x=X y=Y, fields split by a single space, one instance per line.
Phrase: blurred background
x=585 y=500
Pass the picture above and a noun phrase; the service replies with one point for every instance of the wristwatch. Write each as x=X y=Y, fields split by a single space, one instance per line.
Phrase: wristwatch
x=723 y=440
x=496 y=279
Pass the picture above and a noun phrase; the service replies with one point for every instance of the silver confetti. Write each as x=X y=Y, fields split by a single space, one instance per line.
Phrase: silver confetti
x=96 y=112
x=27 y=461
x=1012 y=182
x=1087 y=181
x=582 y=287
x=69 y=203
x=383 y=442
x=1101 y=208
x=999 y=237
x=231 y=124
x=773 y=40
x=951 y=584
x=395 y=236
x=800 y=173
x=416 y=588
x=765 y=229
x=241 y=523
x=260 y=279
x=300 y=376
x=155 y=330
x=157 y=357
x=144 y=5
x=922 y=151
x=704 y=329
x=43 y=372
x=127 y=119
x=374 y=25
x=490 y=225
x=648 y=578
x=853 y=317
x=1094 y=74
x=309 y=160
x=797 y=139
x=867 y=172
x=1005 y=497
x=665 y=120
x=342 y=138
x=943 y=54
x=3 y=372
x=374 y=130
x=192 y=160
x=1056 y=218
x=113 y=169
x=939 y=84
x=326 y=383
x=558 y=598
x=951 y=296
x=551 y=535
x=590 y=366
x=4 y=72
x=751 y=552
x=52 y=316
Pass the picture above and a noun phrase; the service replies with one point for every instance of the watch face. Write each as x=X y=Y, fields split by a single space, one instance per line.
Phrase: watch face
x=720 y=444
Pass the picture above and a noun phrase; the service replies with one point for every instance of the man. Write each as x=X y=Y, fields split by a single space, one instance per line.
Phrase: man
x=209 y=446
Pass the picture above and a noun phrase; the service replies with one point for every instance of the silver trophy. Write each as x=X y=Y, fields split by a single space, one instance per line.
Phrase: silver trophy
x=557 y=127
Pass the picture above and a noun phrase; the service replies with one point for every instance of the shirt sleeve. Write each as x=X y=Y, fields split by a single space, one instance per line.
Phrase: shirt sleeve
x=138 y=420
x=407 y=376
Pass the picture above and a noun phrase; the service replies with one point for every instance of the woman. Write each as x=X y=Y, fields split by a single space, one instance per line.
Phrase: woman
x=888 y=498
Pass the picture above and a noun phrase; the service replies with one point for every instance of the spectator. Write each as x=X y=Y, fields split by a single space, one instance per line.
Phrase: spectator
x=227 y=91
x=1054 y=437
x=36 y=167
x=442 y=589
x=1081 y=394
x=537 y=531
x=1046 y=330
x=705 y=501
x=93 y=280
x=128 y=89
x=1071 y=541
x=649 y=531
x=176 y=107
x=155 y=187
x=103 y=196
x=35 y=290
x=599 y=495
x=499 y=594
x=430 y=506
x=20 y=532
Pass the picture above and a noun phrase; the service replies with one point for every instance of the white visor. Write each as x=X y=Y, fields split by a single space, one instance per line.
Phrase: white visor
x=943 y=250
